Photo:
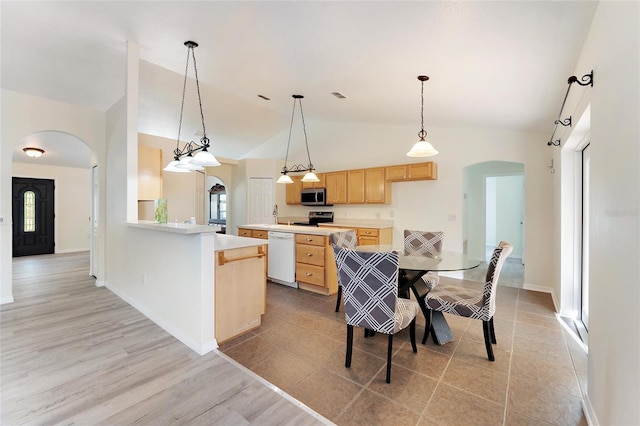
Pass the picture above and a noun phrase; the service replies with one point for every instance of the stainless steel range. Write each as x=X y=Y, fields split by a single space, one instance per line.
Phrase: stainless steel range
x=317 y=217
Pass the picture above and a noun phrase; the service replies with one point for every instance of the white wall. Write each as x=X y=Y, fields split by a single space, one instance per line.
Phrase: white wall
x=23 y=115
x=72 y=226
x=612 y=50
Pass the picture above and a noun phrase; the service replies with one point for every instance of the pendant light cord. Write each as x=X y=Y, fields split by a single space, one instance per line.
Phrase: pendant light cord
x=191 y=51
x=293 y=113
x=184 y=89
x=304 y=129
x=195 y=68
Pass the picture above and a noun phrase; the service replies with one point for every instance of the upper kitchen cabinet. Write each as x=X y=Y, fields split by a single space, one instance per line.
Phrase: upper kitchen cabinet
x=294 y=190
x=320 y=184
x=355 y=186
x=149 y=173
x=377 y=189
x=415 y=171
x=336 y=184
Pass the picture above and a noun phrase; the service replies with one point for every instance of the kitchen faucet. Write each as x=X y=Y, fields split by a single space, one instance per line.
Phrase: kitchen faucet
x=275 y=213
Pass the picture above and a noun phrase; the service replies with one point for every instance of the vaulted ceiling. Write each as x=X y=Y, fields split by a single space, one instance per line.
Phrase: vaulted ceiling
x=501 y=64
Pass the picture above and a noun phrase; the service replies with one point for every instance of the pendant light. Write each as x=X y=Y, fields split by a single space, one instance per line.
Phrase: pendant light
x=194 y=155
x=422 y=148
x=309 y=175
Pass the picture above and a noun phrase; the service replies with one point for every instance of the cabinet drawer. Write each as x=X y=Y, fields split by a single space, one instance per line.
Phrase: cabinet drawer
x=243 y=232
x=259 y=234
x=314 y=240
x=310 y=274
x=313 y=255
x=368 y=232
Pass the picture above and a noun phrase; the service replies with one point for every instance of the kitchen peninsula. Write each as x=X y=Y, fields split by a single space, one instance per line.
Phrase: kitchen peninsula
x=200 y=286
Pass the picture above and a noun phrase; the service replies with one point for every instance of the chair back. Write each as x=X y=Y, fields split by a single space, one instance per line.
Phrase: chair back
x=370 y=287
x=344 y=239
x=500 y=254
x=423 y=243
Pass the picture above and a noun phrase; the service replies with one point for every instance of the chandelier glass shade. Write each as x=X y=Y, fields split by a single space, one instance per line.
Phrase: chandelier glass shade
x=193 y=155
x=422 y=148
x=309 y=176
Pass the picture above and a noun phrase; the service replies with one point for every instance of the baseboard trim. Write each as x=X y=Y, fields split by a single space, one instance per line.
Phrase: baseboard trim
x=589 y=414
x=198 y=348
x=74 y=250
x=6 y=300
x=543 y=289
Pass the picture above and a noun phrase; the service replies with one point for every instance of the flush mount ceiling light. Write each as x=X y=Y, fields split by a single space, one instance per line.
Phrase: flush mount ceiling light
x=422 y=148
x=193 y=155
x=33 y=152
x=298 y=168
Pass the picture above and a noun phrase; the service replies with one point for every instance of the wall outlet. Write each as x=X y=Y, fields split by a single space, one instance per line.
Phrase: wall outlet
x=391 y=213
x=144 y=278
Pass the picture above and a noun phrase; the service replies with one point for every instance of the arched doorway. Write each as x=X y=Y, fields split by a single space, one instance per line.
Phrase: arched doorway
x=217 y=202
x=493 y=211
x=67 y=162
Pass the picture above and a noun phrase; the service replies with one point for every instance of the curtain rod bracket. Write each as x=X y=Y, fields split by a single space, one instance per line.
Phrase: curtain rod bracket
x=585 y=80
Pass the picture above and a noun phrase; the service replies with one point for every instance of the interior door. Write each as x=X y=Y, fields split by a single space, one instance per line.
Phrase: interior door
x=33 y=216
x=260 y=203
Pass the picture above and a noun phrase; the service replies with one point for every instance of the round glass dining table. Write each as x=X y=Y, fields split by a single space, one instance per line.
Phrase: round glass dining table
x=413 y=267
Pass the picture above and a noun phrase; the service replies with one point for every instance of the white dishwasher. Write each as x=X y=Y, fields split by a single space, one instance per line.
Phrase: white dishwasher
x=282 y=258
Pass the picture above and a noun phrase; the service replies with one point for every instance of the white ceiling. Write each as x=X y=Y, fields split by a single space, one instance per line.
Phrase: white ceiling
x=501 y=64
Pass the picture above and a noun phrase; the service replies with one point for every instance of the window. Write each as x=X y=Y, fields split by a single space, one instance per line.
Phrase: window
x=218 y=206
x=29 y=200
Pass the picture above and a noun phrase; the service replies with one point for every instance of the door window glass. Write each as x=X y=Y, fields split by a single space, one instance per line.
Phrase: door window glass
x=29 y=200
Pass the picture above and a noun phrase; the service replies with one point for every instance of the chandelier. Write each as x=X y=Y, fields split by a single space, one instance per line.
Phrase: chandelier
x=422 y=148
x=193 y=155
x=298 y=168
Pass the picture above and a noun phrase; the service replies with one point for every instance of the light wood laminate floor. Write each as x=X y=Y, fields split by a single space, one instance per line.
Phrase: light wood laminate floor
x=75 y=354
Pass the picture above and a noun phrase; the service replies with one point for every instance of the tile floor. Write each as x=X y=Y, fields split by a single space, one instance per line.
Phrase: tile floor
x=537 y=379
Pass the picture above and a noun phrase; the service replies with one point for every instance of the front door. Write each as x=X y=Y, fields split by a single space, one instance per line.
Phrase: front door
x=33 y=216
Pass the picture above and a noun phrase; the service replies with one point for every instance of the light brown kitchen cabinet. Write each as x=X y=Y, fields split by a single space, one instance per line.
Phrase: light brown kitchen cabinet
x=377 y=189
x=259 y=234
x=414 y=171
x=240 y=291
x=320 y=184
x=355 y=186
x=336 y=184
x=149 y=173
x=244 y=232
x=315 y=264
x=294 y=189
x=368 y=236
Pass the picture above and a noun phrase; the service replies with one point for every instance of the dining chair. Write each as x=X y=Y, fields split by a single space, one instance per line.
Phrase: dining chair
x=471 y=303
x=424 y=244
x=343 y=239
x=370 y=285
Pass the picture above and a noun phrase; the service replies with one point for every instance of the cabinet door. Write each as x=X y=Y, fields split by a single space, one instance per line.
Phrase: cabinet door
x=376 y=191
x=149 y=173
x=355 y=186
x=294 y=189
x=367 y=241
x=244 y=232
x=320 y=184
x=426 y=171
x=259 y=234
x=396 y=173
x=336 y=184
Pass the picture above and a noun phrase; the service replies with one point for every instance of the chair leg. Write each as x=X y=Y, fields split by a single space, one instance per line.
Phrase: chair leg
x=347 y=362
x=339 y=298
x=486 y=327
x=389 y=351
x=427 y=325
x=493 y=332
x=412 y=334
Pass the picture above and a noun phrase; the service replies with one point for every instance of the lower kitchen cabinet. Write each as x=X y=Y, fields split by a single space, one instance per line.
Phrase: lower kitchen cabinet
x=315 y=264
x=240 y=291
x=371 y=236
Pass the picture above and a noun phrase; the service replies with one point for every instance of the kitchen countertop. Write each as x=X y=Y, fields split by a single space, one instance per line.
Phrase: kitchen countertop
x=293 y=229
x=230 y=242
x=177 y=228
x=361 y=223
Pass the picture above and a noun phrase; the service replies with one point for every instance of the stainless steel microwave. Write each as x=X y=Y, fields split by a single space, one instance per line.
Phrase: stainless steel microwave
x=314 y=197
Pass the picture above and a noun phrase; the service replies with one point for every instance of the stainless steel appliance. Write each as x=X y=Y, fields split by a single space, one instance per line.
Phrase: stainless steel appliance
x=281 y=267
x=314 y=197
x=317 y=217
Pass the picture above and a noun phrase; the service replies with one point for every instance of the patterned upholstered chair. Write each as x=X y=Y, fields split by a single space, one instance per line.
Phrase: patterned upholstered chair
x=424 y=244
x=370 y=286
x=344 y=239
x=475 y=304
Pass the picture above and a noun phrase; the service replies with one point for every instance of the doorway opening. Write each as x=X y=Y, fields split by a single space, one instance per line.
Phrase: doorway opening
x=33 y=206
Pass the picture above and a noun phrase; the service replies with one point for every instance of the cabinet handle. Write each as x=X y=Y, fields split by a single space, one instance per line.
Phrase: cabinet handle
x=308 y=274
x=222 y=259
x=368 y=232
x=309 y=239
x=308 y=254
